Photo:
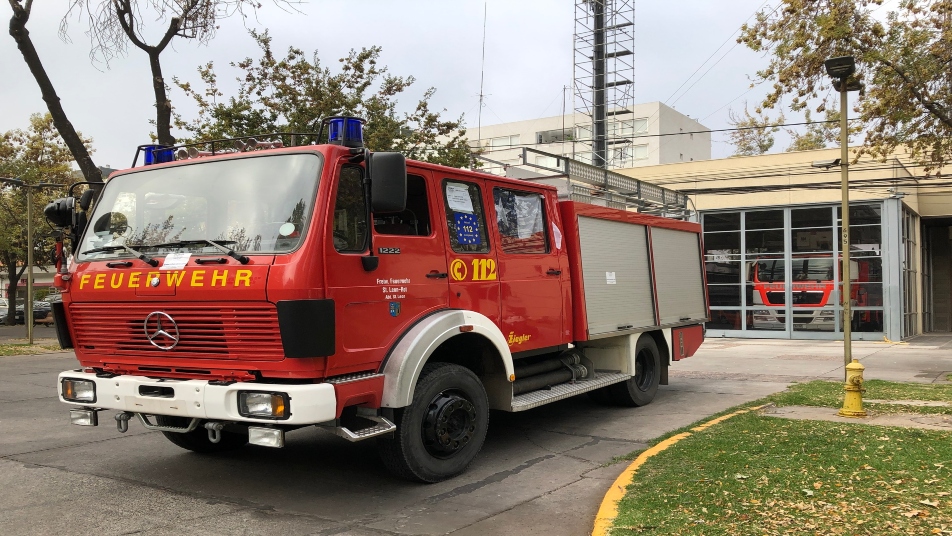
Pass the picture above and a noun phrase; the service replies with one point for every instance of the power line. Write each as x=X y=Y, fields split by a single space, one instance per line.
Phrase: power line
x=709 y=131
x=731 y=36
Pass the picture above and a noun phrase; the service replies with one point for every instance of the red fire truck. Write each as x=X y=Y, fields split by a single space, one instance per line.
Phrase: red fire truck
x=230 y=297
x=812 y=292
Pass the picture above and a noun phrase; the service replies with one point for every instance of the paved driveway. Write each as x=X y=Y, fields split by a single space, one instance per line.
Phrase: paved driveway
x=541 y=472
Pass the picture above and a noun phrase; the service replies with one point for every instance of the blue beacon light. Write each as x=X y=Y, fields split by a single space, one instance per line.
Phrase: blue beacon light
x=346 y=131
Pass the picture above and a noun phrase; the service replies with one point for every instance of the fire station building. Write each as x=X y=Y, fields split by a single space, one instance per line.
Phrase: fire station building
x=772 y=243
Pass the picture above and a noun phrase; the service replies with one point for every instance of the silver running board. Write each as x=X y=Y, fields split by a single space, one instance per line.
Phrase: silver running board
x=382 y=426
x=562 y=391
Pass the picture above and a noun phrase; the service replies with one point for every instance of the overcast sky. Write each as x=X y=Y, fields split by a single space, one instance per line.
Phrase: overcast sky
x=528 y=61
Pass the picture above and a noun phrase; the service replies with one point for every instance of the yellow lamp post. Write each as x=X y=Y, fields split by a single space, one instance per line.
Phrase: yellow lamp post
x=841 y=69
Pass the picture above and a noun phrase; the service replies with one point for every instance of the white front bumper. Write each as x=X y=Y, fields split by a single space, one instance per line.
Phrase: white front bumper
x=309 y=404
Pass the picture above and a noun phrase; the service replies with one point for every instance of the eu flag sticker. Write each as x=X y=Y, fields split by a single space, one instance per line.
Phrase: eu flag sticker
x=394 y=308
x=467 y=229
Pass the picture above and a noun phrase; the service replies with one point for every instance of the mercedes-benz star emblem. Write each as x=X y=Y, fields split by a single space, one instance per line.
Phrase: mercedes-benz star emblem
x=161 y=330
x=154 y=282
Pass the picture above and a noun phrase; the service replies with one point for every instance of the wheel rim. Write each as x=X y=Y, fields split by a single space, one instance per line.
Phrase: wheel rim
x=449 y=424
x=644 y=370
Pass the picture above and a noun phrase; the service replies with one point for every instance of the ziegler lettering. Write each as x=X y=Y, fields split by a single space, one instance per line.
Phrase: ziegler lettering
x=179 y=278
x=518 y=339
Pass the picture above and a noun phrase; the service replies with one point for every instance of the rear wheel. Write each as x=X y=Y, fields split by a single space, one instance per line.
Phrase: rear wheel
x=641 y=388
x=439 y=434
x=197 y=440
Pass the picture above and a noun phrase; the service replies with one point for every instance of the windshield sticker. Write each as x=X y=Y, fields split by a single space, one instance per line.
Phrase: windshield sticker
x=175 y=261
x=467 y=229
x=457 y=197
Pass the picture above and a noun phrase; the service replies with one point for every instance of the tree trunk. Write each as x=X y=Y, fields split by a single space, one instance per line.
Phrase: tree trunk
x=22 y=37
x=163 y=107
x=14 y=276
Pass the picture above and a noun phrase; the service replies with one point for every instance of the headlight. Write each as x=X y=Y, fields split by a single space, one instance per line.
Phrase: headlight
x=263 y=405
x=78 y=390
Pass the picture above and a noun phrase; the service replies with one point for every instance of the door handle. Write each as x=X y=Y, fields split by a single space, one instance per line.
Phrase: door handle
x=437 y=275
x=553 y=271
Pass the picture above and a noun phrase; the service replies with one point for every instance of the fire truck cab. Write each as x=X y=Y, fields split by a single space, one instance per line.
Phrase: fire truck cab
x=230 y=297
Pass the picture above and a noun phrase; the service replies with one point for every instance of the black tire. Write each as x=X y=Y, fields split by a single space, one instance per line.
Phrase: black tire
x=197 y=440
x=446 y=395
x=640 y=389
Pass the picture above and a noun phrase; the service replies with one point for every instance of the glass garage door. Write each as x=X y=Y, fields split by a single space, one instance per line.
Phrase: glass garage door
x=776 y=273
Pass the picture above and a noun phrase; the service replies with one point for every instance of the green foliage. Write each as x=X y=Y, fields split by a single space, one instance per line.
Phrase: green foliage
x=903 y=58
x=35 y=155
x=292 y=94
x=754 y=134
x=818 y=134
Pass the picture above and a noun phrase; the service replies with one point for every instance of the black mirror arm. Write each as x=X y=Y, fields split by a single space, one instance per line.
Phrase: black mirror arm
x=370 y=262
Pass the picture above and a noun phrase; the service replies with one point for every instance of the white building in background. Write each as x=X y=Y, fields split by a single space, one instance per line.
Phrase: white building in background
x=646 y=134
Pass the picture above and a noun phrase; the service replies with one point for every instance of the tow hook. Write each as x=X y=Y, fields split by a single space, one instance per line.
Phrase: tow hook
x=214 y=431
x=122 y=421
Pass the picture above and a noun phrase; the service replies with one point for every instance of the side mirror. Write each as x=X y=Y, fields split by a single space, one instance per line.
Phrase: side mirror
x=388 y=182
x=88 y=197
x=60 y=212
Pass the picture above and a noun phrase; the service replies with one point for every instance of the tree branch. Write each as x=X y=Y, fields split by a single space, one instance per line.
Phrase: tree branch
x=124 y=9
x=933 y=108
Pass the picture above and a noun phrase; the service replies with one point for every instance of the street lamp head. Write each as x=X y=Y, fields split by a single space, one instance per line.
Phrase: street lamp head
x=15 y=182
x=841 y=67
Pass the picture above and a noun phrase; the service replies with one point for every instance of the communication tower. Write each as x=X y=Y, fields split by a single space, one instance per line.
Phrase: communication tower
x=604 y=73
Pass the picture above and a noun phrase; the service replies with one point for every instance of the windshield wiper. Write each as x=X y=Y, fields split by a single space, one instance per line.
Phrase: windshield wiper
x=141 y=256
x=218 y=244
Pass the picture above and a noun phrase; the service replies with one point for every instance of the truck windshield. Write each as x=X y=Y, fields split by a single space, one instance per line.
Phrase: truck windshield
x=259 y=204
x=816 y=269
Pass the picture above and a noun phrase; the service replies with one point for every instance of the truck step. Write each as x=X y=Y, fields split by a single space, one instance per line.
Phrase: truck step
x=382 y=426
x=565 y=390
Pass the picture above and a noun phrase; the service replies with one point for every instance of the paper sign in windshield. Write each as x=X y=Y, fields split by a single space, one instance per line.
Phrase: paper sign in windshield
x=467 y=229
x=175 y=261
x=457 y=197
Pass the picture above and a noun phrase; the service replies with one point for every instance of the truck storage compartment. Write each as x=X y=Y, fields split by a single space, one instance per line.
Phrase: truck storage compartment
x=632 y=271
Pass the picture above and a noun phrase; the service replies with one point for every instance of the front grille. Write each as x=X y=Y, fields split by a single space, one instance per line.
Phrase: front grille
x=776 y=298
x=226 y=331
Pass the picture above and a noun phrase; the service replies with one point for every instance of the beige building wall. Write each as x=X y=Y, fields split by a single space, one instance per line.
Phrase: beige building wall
x=790 y=179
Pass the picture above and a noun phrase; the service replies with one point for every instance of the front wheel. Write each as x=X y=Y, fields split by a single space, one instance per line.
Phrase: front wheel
x=439 y=434
x=640 y=389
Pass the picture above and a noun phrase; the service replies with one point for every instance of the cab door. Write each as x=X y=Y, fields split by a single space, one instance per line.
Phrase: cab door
x=471 y=257
x=373 y=308
x=530 y=268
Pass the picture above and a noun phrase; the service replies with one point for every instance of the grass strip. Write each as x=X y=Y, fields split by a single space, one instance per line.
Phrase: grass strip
x=830 y=394
x=26 y=349
x=764 y=475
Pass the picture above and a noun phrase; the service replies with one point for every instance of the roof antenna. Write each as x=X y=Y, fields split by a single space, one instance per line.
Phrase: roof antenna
x=482 y=73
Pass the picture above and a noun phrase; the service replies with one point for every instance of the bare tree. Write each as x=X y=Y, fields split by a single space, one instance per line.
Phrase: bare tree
x=113 y=24
x=75 y=143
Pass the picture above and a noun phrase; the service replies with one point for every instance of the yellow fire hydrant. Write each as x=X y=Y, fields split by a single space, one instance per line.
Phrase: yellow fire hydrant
x=853 y=401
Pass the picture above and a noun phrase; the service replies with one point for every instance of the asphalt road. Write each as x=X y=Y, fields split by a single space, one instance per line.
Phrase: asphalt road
x=542 y=471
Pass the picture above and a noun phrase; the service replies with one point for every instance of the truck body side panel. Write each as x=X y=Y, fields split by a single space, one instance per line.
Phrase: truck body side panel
x=617 y=259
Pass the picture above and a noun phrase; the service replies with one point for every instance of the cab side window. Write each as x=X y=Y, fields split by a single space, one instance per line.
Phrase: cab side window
x=465 y=217
x=350 y=212
x=521 y=221
x=412 y=221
